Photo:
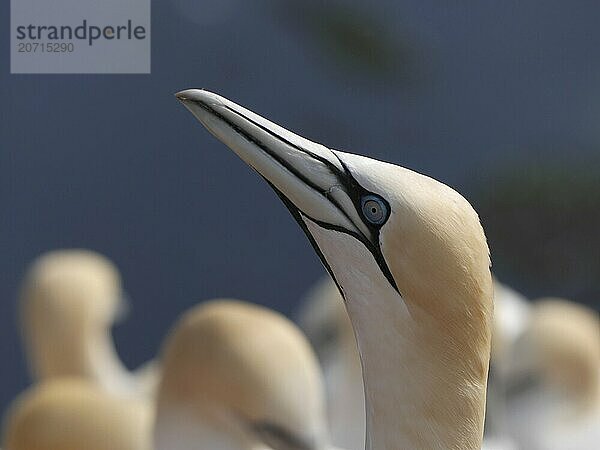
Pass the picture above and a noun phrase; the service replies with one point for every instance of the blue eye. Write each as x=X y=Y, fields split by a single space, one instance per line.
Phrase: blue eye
x=374 y=209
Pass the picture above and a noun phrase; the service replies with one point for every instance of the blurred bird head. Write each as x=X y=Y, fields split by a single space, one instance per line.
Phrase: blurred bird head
x=243 y=375
x=66 y=296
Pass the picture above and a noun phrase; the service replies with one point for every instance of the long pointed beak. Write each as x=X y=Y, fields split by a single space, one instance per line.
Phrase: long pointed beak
x=310 y=176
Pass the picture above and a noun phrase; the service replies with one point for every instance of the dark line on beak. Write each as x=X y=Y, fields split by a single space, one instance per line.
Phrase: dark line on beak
x=257 y=142
x=319 y=158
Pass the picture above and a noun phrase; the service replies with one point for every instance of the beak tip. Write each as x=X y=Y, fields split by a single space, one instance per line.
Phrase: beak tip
x=200 y=96
x=184 y=95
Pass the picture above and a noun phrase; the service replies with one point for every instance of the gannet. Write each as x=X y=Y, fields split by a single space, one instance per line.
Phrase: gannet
x=556 y=406
x=411 y=260
x=237 y=376
x=76 y=414
x=69 y=301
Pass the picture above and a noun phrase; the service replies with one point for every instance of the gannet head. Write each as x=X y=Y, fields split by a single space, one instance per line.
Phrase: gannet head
x=73 y=414
x=66 y=294
x=239 y=376
x=423 y=238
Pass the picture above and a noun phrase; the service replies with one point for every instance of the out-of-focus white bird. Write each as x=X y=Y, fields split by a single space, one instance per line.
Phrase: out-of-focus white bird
x=557 y=375
x=411 y=260
x=69 y=301
x=238 y=376
x=511 y=318
x=512 y=311
x=75 y=414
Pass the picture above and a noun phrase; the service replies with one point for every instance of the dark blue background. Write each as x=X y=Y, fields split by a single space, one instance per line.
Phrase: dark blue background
x=115 y=164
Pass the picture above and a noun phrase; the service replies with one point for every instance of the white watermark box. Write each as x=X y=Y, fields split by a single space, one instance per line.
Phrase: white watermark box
x=80 y=36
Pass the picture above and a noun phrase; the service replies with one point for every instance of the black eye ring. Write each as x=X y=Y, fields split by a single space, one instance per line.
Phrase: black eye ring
x=374 y=209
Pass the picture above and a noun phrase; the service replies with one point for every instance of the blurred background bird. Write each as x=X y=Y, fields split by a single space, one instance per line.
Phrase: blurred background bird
x=69 y=301
x=239 y=376
x=553 y=401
